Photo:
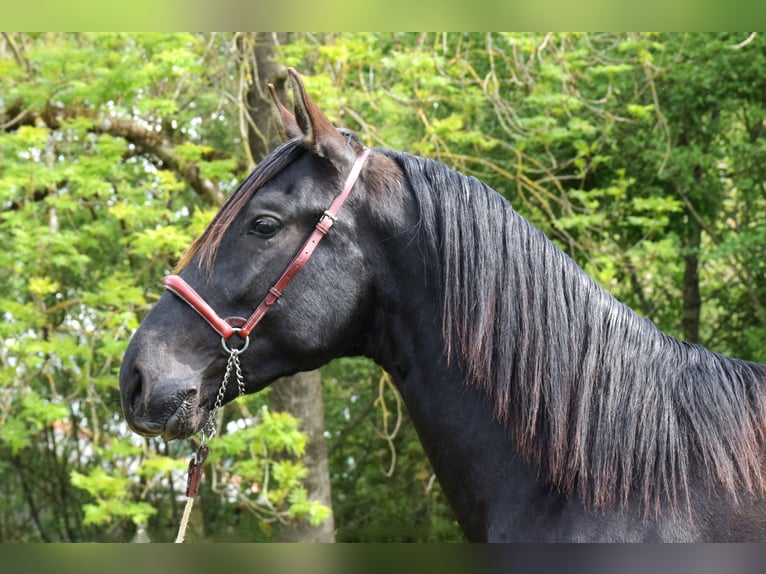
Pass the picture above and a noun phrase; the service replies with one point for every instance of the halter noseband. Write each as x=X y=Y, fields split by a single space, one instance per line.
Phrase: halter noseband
x=228 y=327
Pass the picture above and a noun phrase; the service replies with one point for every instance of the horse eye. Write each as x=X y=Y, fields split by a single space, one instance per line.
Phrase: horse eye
x=265 y=227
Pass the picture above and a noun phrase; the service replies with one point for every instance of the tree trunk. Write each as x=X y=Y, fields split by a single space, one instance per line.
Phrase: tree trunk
x=262 y=131
x=301 y=394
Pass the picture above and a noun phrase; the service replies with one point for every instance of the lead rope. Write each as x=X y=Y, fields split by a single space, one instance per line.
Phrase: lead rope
x=197 y=462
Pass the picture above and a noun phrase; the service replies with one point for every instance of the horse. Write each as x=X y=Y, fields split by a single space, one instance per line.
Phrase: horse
x=549 y=410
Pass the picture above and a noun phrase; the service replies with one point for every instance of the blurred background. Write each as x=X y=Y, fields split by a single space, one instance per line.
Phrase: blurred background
x=641 y=154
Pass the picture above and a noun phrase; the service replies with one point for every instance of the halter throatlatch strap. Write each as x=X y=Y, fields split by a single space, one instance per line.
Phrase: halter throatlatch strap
x=243 y=327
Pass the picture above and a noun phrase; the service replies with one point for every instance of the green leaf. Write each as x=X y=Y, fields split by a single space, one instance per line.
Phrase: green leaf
x=15 y=434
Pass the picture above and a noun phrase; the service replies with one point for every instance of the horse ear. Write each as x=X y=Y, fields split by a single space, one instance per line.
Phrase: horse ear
x=320 y=136
x=288 y=127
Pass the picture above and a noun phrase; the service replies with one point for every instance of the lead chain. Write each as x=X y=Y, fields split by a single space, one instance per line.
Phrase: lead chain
x=232 y=365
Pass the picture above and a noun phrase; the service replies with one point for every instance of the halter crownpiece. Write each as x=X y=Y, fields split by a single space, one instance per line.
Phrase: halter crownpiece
x=243 y=327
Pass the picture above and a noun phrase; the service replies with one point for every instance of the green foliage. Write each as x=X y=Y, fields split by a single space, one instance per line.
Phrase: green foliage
x=254 y=456
x=381 y=492
x=112 y=498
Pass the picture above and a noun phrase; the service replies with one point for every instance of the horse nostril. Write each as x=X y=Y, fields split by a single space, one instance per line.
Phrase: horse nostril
x=132 y=391
x=138 y=387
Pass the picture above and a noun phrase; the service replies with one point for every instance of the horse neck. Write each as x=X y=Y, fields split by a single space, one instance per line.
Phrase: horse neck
x=471 y=452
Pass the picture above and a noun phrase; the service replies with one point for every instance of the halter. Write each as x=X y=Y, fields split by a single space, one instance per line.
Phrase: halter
x=243 y=327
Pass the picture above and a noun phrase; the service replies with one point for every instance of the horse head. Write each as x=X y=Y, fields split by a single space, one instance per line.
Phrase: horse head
x=174 y=365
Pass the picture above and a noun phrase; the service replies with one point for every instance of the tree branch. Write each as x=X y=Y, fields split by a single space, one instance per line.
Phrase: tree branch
x=30 y=499
x=17 y=52
x=151 y=142
x=355 y=421
x=744 y=42
x=145 y=139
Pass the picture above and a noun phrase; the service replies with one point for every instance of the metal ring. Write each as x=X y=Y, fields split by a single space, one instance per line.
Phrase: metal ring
x=235 y=351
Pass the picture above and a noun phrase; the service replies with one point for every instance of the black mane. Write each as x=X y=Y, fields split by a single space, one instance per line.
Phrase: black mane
x=605 y=403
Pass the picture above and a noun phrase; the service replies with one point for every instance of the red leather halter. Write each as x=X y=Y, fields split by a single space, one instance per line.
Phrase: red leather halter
x=228 y=327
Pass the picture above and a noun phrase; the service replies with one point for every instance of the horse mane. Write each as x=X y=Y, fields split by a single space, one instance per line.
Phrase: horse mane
x=206 y=245
x=604 y=403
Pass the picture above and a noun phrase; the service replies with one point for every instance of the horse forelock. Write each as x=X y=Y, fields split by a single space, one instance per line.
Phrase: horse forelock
x=606 y=404
x=205 y=247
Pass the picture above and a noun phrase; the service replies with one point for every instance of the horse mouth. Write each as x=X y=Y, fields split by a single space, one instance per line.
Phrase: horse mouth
x=186 y=420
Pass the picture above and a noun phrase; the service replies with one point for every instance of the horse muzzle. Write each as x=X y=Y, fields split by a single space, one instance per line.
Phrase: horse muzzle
x=169 y=408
